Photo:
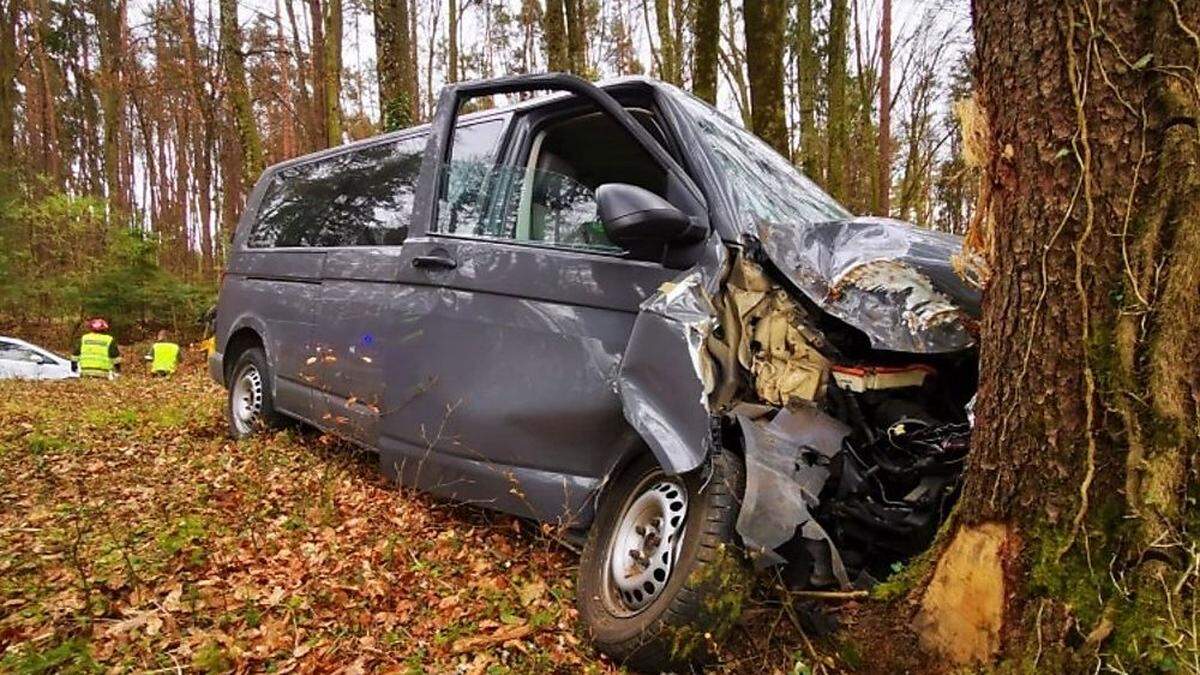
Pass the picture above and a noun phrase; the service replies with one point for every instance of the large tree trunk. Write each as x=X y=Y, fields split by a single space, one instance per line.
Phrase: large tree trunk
x=1074 y=540
x=764 y=23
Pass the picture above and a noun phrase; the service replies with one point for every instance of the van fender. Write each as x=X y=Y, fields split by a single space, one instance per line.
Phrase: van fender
x=254 y=323
x=665 y=377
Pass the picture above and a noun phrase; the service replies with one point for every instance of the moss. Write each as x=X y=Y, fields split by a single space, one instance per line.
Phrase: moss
x=904 y=579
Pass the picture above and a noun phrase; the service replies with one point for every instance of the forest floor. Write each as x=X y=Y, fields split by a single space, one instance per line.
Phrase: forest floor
x=134 y=535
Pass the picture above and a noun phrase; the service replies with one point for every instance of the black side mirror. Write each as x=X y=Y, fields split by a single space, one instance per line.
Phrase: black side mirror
x=643 y=223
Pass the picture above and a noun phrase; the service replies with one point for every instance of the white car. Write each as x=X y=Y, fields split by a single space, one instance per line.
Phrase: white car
x=23 y=361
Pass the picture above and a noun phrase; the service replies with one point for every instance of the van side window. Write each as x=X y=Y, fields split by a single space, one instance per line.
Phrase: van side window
x=468 y=177
x=362 y=197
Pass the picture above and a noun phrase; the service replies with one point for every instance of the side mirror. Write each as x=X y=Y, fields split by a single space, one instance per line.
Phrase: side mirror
x=643 y=223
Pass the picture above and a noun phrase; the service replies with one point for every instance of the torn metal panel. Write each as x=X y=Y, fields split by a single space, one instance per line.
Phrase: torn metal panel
x=666 y=374
x=788 y=458
x=893 y=281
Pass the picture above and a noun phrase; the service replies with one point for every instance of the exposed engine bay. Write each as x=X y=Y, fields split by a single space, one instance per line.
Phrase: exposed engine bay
x=853 y=455
x=841 y=362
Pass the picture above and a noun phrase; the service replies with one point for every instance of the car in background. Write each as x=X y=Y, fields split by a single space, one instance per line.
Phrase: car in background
x=20 y=360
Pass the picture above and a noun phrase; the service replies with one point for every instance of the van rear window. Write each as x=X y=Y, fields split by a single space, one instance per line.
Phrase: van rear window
x=363 y=197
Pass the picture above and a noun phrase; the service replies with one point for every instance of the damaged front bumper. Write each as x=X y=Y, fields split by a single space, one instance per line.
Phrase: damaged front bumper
x=853 y=447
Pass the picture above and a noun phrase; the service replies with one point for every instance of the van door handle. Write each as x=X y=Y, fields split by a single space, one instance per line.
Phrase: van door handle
x=435 y=261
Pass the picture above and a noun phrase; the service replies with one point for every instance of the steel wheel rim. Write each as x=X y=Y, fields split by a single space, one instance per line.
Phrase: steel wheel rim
x=247 y=400
x=644 y=549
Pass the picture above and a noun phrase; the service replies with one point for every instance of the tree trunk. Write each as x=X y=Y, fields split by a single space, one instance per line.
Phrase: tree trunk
x=9 y=13
x=239 y=95
x=331 y=71
x=555 y=31
x=668 y=49
x=806 y=76
x=764 y=24
x=838 y=116
x=576 y=36
x=110 y=17
x=706 y=33
x=1073 y=545
x=452 y=47
x=395 y=65
x=884 y=197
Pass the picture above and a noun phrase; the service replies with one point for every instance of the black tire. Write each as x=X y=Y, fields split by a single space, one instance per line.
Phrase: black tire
x=267 y=417
x=703 y=596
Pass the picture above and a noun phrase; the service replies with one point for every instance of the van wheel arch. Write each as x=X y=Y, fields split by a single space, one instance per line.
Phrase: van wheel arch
x=242 y=339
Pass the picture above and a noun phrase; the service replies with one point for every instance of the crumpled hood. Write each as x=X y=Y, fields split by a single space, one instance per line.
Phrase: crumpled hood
x=891 y=280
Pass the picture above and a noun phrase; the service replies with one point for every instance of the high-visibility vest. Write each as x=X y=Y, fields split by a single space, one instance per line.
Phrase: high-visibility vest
x=164 y=357
x=93 y=354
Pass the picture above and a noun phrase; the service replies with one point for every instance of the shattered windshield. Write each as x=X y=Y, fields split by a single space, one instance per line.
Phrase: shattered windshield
x=763 y=185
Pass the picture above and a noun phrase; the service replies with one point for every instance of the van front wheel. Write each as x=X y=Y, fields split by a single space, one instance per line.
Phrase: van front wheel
x=250 y=407
x=661 y=578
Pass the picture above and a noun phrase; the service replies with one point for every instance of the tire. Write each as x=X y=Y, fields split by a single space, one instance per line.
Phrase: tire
x=250 y=404
x=673 y=627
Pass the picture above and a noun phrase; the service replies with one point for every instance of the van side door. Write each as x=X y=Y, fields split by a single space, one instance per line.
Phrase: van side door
x=364 y=234
x=504 y=345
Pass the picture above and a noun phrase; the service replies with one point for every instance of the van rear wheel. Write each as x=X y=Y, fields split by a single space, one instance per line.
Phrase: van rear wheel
x=250 y=406
x=661 y=578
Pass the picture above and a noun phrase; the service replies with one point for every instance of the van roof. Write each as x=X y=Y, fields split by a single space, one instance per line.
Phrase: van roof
x=482 y=114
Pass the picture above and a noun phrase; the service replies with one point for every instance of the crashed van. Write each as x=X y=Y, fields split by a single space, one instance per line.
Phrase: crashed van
x=611 y=309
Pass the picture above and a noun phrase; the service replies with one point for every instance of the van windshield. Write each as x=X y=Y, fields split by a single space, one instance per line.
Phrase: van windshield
x=763 y=185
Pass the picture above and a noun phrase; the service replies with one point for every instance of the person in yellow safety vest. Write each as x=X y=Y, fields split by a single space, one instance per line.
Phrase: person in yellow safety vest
x=164 y=356
x=98 y=354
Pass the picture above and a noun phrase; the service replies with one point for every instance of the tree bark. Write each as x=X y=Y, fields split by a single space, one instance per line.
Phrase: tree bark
x=807 y=67
x=110 y=17
x=706 y=33
x=838 y=116
x=249 y=142
x=452 y=46
x=764 y=25
x=9 y=13
x=1077 y=527
x=395 y=65
x=554 y=30
x=668 y=49
x=576 y=36
x=884 y=181
x=331 y=71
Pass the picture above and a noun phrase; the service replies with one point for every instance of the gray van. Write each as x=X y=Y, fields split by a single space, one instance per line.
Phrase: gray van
x=613 y=310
